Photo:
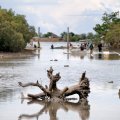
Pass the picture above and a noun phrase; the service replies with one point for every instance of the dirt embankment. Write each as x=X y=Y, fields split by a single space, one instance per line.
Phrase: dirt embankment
x=24 y=54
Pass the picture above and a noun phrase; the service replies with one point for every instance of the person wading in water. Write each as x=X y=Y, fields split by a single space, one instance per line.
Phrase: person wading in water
x=91 y=49
x=100 y=47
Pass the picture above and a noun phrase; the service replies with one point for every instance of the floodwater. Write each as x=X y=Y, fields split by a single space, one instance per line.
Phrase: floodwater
x=102 y=68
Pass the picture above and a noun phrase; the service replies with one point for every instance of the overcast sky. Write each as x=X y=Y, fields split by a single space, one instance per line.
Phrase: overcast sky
x=56 y=15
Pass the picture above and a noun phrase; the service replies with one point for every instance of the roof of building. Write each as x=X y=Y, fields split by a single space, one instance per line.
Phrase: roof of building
x=54 y=35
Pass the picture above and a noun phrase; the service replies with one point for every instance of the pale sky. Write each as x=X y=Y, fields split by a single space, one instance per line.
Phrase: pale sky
x=56 y=15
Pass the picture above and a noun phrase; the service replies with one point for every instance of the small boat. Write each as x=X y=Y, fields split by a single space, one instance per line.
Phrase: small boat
x=64 y=47
x=30 y=49
x=60 y=47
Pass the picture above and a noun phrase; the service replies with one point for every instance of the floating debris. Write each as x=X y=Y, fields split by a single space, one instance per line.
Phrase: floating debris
x=110 y=82
x=55 y=60
x=66 y=65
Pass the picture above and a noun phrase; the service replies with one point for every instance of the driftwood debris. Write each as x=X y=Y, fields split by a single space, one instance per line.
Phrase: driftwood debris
x=53 y=93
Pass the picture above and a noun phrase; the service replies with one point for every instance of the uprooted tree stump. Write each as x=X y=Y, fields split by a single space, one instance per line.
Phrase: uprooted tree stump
x=53 y=93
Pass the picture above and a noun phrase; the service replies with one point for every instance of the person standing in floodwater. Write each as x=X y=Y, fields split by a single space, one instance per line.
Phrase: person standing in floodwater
x=52 y=47
x=71 y=46
x=91 y=48
x=82 y=47
x=100 y=47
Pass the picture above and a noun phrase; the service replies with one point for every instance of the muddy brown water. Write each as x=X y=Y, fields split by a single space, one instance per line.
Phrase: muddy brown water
x=103 y=101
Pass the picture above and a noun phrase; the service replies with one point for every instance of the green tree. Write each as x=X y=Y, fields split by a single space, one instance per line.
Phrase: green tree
x=83 y=36
x=90 y=35
x=72 y=36
x=113 y=36
x=48 y=34
x=107 y=19
x=15 y=32
x=64 y=35
x=109 y=26
x=75 y=38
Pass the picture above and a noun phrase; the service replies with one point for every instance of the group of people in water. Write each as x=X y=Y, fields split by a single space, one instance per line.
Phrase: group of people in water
x=83 y=46
x=90 y=46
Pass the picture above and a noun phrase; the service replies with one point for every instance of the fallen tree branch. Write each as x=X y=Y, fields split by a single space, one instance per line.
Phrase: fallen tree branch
x=47 y=92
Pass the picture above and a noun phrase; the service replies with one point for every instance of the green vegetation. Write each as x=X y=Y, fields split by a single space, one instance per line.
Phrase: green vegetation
x=109 y=30
x=48 y=34
x=72 y=36
x=76 y=37
x=14 y=31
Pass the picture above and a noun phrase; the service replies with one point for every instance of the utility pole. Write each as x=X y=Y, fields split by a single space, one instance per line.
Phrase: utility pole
x=39 y=37
x=67 y=42
x=68 y=38
x=39 y=32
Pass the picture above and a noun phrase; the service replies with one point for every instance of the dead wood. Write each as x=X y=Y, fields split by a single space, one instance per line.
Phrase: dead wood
x=53 y=93
x=41 y=95
x=82 y=88
x=53 y=79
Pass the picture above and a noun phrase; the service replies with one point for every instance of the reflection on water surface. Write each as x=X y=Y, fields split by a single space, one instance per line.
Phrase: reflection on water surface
x=101 y=69
x=48 y=107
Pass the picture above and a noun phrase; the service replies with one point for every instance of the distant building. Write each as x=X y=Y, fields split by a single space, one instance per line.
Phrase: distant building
x=53 y=35
x=52 y=38
x=35 y=41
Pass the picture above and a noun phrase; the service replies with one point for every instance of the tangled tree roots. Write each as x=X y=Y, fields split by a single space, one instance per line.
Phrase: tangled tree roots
x=52 y=93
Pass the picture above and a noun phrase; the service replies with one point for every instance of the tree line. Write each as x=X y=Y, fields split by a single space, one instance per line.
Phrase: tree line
x=108 y=31
x=15 y=32
x=73 y=37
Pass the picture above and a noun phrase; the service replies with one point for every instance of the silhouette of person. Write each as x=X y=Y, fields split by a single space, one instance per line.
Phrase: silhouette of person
x=91 y=48
x=100 y=47
x=52 y=47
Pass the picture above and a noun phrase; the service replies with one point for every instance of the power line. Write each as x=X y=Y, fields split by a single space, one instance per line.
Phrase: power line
x=87 y=15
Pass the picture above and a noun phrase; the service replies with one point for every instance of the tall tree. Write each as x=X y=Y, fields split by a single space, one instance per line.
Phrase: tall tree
x=82 y=36
x=110 y=23
x=90 y=35
x=107 y=19
x=113 y=36
x=64 y=35
x=15 y=32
